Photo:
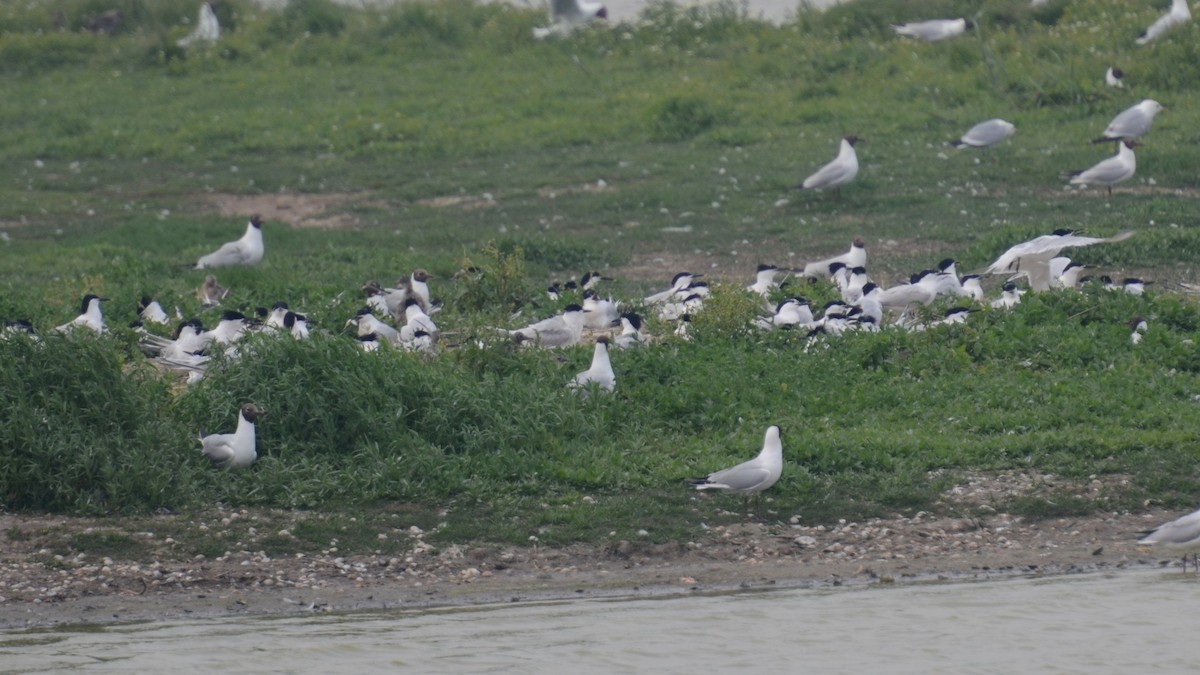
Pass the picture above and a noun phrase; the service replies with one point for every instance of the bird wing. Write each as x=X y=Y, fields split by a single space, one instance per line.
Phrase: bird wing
x=1130 y=123
x=741 y=478
x=1180 y=531
x=218 y=448
x=986 y=133
x=833 y=173
x=1111 y=170
x=232 y=253
x=565 y=10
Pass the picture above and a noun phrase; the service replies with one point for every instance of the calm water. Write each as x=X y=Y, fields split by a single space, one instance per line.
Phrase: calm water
x=1126 y=623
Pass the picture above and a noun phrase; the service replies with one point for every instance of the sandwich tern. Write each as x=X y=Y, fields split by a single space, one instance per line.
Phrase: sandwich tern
x=89 y=316
x=631 y=331
x=600 y=372
x=563 y=330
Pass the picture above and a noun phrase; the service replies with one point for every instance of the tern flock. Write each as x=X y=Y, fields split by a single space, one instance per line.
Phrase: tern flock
x=401 y=316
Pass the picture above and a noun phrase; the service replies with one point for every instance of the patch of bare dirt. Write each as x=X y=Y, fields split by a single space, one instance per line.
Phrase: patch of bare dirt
x=298 y=210
x=967 y=538
x=465 y=202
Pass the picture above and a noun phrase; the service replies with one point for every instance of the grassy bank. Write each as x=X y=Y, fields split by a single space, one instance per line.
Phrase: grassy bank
x=441 y=136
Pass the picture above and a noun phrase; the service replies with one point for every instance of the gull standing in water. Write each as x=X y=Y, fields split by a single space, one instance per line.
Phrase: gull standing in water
x=236 y=450
x=245 y=251
x=836 y=173
x=751 y=477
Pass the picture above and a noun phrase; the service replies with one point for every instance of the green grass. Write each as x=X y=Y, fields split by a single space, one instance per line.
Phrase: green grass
x=114 y=148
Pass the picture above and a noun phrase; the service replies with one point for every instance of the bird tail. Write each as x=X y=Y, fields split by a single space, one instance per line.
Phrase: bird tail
x=956 y=143
x=1104 y=139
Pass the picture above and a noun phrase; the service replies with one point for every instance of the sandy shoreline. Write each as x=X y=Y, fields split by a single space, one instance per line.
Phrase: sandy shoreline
x=40 y=589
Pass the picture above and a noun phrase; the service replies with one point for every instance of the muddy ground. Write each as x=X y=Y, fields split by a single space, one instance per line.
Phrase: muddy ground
x=39 y=587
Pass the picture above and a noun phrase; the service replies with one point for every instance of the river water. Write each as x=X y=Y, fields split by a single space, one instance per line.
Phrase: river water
x=1122 y=623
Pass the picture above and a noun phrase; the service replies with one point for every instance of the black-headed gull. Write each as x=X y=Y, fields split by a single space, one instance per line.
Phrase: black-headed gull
x=89 y=316
x=985 y=134
x=1133 y=122
x=236 y=450
x=751 y=477
x=934 y=30
x=1113 y=77
x=368 y=324
x=838 y=172
x=567 y=15
x=208 y=29
x=1178 y=14
x=245 y=251
x=1181 y=533
x=600 y=372
x=855 y=257
x=1108 y=172
x=598 y=312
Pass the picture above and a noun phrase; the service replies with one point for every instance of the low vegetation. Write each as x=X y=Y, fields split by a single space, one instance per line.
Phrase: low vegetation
x=440 y=135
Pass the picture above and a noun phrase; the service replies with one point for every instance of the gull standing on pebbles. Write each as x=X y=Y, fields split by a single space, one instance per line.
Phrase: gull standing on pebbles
x=934 y=30
x=1178 y=14
x=236 y=450
x=600 y=372
x=1108 y=172
x=752 y=477
x=567 y=15
x=1181 y=533
x=837 y=173
x=985 y=134
x=1133 y=122
x=89 y=316
x=245 y=251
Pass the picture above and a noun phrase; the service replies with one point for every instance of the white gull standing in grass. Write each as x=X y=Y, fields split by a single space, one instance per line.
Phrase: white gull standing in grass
x=1181 y=533
x=1178 y=14
x=985 y=134
x=935 y=29
x=1108 y=172
x=245 y=251
x=1133 y=122
x=838 y=172
x=751 y=477
x=236 y=450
